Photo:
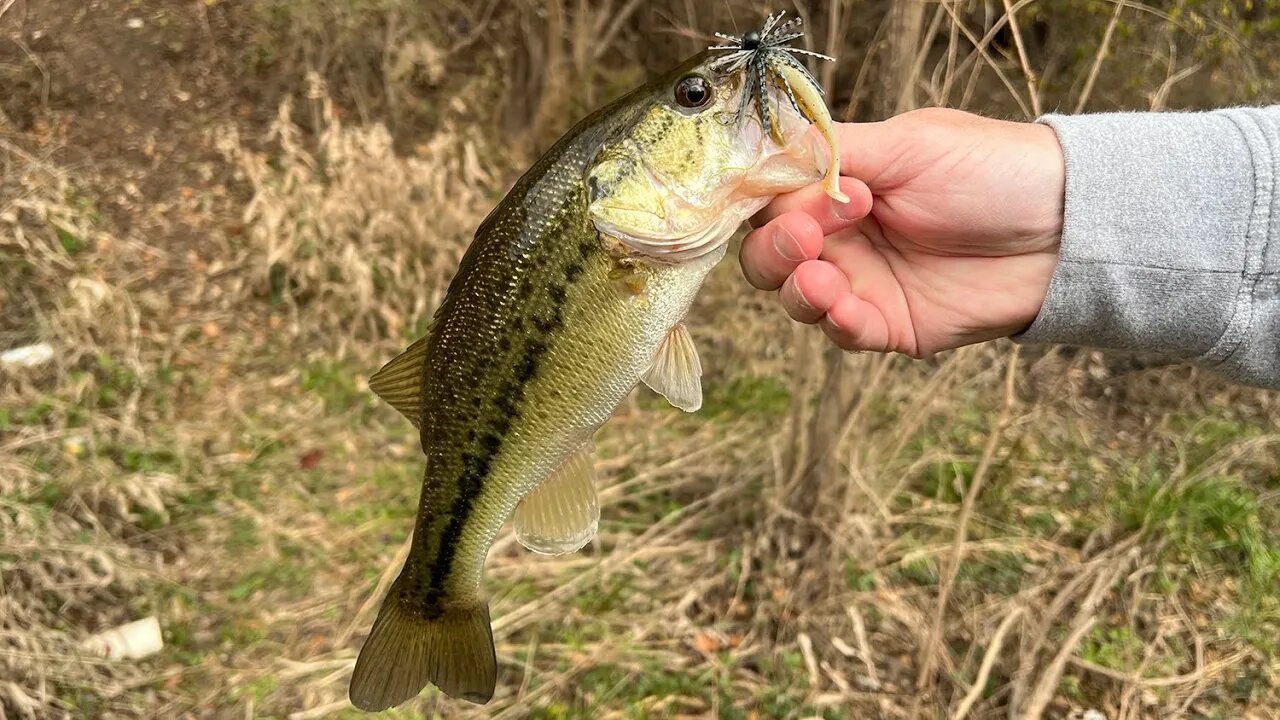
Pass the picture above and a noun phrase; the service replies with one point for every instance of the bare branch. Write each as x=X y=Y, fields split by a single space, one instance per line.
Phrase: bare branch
x=1098 y=57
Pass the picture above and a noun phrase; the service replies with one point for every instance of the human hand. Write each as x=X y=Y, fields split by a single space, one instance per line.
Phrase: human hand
x=950 y=237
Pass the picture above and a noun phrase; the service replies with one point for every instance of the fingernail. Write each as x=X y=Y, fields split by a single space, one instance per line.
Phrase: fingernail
x=846 y=211
x=797 y=297
x=787 y=245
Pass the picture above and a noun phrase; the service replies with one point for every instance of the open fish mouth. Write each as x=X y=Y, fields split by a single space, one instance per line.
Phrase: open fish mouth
x=765 y=58
x=668 y=221
x=678 y=182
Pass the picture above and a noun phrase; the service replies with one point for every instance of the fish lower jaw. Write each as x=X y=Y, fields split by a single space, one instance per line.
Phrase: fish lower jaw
x=695 y=245
x=668 y=251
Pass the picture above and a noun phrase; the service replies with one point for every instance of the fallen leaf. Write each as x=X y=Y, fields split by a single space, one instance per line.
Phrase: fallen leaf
x=311 y=459
x=706 y=643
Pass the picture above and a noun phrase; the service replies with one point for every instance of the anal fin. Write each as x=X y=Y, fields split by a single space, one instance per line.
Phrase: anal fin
x=399 y=382
x=676 y=372
x=561 y=515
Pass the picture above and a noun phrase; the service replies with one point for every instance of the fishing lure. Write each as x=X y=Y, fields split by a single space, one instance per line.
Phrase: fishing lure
x=763 y=54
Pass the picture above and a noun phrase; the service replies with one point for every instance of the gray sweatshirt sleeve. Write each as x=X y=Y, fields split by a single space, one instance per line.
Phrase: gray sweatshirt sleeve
x=1171 y=239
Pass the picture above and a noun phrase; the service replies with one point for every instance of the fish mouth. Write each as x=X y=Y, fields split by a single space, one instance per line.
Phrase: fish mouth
x=673 y=221
x=705 y=240
x=657 y=230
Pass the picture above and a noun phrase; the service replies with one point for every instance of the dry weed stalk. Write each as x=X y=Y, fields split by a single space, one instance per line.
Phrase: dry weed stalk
x=67 y=566
x=354 y=239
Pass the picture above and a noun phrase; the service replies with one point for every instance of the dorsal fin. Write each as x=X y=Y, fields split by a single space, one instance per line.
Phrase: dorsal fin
x=399 y=382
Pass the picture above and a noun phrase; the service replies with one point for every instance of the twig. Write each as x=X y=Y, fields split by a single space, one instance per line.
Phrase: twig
x=1030 y=649
x=948 y=75
x=478 y=29
x=321 y=711
x=1085 y=619
x=1097 y=58
x=982 y=52
x=988 y=661
x=1153 y=682
x=5 y=7
x=388 y=575
x=864 y=71
x=1052 y=675
x=835 y=25
x=810 y=660
x=984 y=43
x=1022 y=58
x=930 y=649
x=614 y=27
x=46 y=84
x=864 y=647
x=1161 y=94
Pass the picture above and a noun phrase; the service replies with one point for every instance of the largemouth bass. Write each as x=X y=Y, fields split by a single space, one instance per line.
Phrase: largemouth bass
x=573 y=291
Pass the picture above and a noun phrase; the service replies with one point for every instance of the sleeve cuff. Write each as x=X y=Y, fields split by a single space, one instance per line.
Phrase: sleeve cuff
x=1159 y=234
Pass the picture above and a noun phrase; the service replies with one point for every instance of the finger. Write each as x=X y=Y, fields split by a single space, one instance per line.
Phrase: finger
x=814 y=201
x=868 y=151
x=769 y=255
x=870 y=275
x=813 y=289
x=855 y=324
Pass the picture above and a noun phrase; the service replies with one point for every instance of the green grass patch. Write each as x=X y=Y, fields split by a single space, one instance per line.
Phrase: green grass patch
x=1114 y=647
x=288 y=575
x=746 y=395
x=608 y=686
x=922 y=571
x=1214 y=524
x=70 y=241
x=994 y=572
x=335 y=384
x=858 y=578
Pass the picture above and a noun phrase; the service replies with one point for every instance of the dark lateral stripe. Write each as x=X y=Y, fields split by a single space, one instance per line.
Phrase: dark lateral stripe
x=478 y=460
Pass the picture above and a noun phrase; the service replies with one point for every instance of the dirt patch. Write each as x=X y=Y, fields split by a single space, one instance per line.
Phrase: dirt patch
x=126 y=91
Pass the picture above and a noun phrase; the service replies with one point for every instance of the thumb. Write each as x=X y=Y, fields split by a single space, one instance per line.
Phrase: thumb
x=886 y=154
x=872 y=152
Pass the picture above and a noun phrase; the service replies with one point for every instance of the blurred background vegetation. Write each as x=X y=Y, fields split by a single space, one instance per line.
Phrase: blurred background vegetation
x=223 y=216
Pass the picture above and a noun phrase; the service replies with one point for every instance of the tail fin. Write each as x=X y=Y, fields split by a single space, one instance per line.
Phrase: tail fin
x=404 y=652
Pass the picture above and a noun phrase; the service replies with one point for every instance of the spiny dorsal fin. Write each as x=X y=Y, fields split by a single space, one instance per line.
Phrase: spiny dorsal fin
x=399 y=382
x=560 y=516
x=676 y=372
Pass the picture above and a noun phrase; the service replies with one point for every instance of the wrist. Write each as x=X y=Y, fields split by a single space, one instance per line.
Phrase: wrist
x=1048 y=184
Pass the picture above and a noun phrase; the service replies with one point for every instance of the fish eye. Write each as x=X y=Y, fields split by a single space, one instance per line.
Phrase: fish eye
x=693 y=91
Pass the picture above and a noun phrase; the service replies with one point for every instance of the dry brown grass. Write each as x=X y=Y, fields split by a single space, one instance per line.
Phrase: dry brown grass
x=70 y=519
x=981 y=535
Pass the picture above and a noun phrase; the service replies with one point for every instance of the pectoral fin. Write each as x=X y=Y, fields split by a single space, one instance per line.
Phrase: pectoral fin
x=399 y=382
x=561 y=515
x=676 y=372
